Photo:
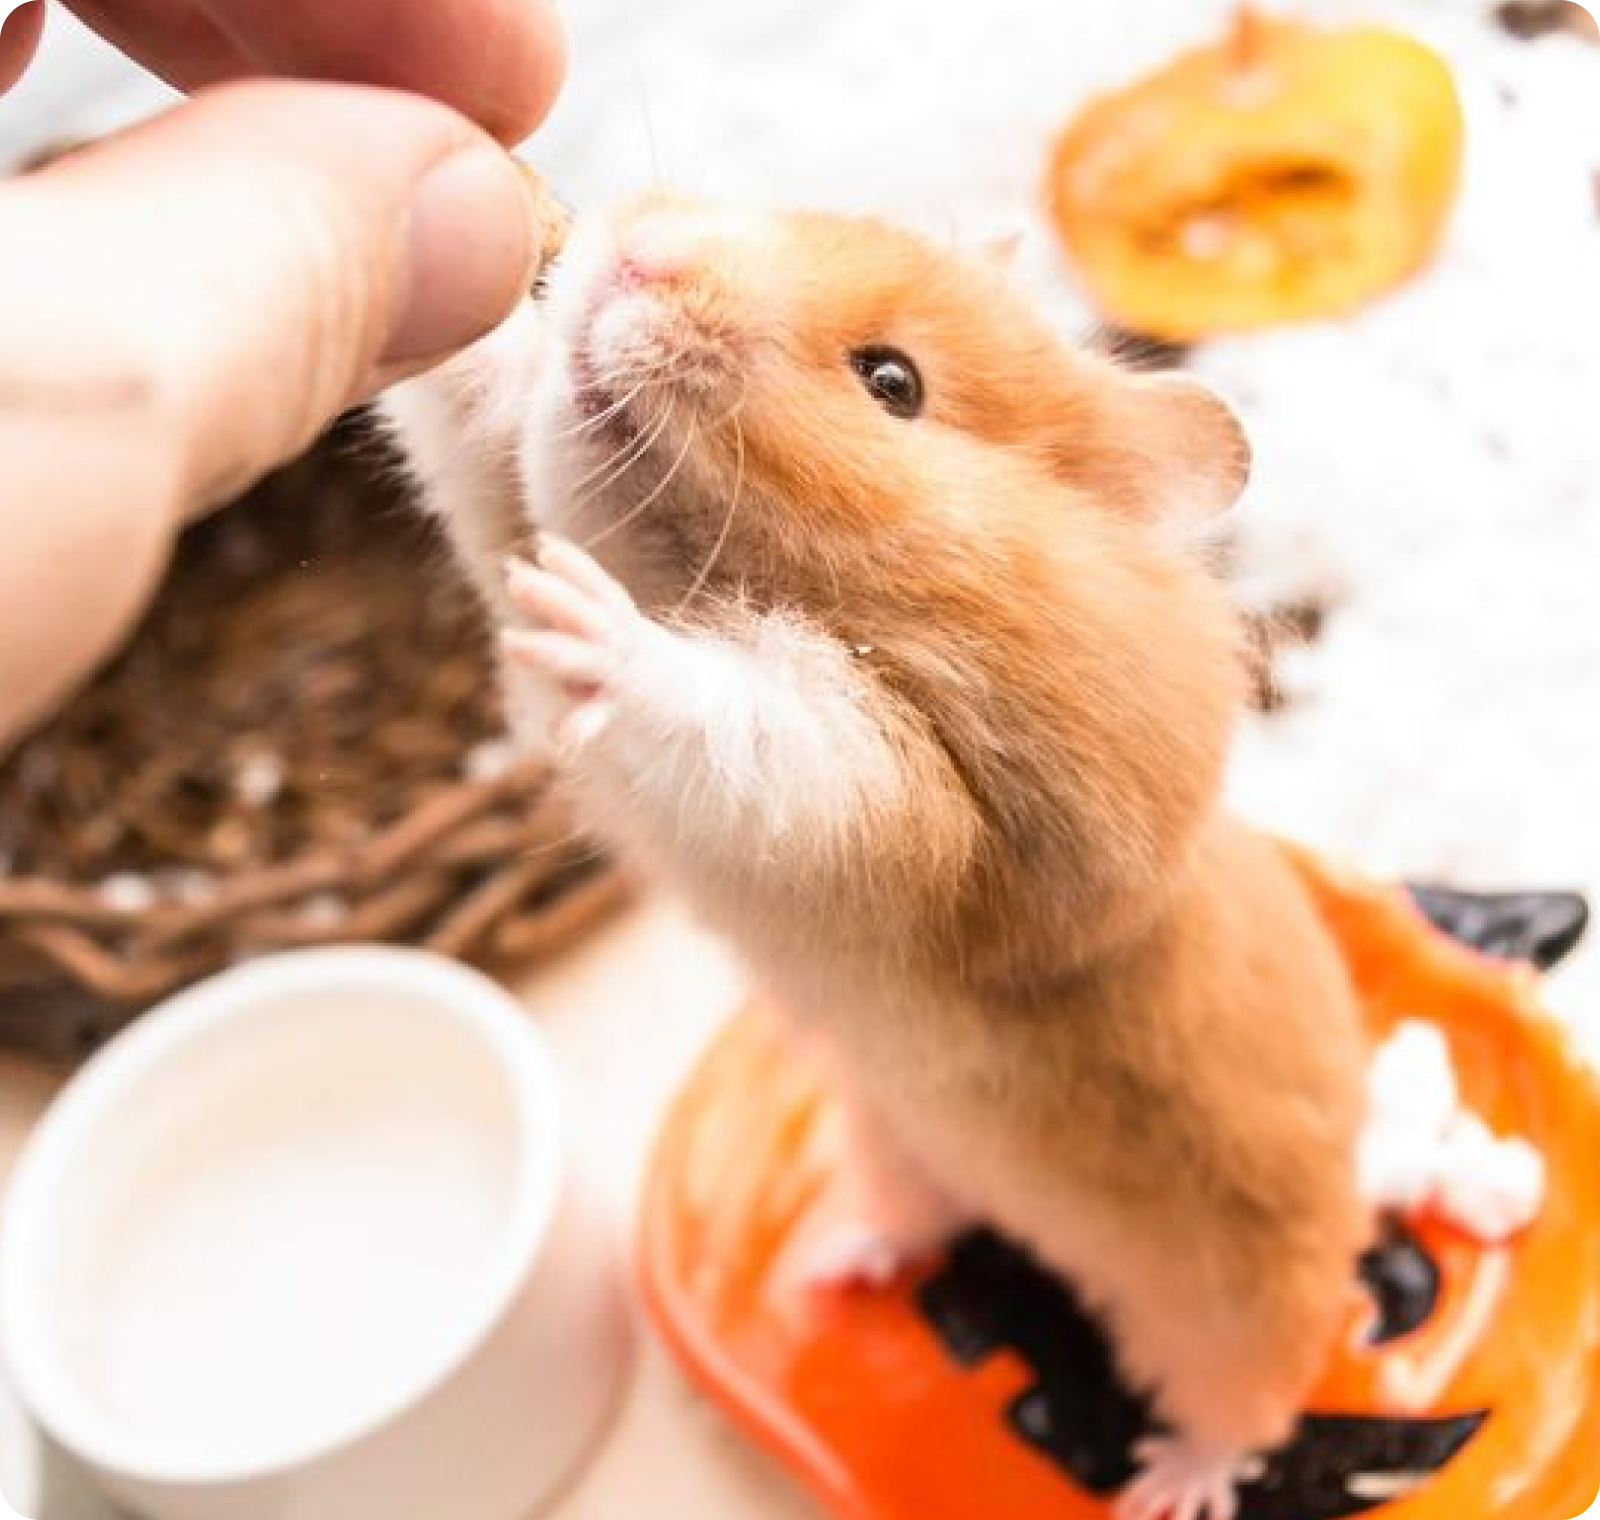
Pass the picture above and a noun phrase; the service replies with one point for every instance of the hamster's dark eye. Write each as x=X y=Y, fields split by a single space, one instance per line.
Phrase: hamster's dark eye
x=891 y=379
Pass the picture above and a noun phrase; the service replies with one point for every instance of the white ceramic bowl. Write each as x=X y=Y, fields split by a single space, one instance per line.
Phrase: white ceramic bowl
x=304 y=1244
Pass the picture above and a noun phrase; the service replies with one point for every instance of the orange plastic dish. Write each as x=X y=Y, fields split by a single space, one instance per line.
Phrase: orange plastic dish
x=1284 y=173
x=925 y=1402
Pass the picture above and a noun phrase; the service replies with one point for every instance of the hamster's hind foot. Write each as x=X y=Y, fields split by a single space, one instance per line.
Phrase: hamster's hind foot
x=867 y=1233
x=850 y=1254
x=1180 y=1479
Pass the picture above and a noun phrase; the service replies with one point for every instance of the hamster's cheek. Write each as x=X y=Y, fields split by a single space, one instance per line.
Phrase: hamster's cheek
x=632 y=334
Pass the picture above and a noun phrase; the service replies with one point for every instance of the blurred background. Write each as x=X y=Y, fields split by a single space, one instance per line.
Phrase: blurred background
x=1426 y=515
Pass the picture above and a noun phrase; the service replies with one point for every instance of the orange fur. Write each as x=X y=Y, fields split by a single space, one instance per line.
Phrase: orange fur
x=1062 y=988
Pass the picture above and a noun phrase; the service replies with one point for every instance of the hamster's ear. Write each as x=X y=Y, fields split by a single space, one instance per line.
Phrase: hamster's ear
x=996 y=237
x=1003 y=248
x=1193 y=444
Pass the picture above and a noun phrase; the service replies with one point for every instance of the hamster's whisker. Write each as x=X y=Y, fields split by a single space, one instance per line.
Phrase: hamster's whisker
x=646 y=441
x=732 y=413
x=638 y=371
x=641 y=377
x=619 y=460
x=578 y=835
x=727 y=524
x=589 y=424
x=577 y=502
x=638 y=510
x=648 y=117
x=526 y=538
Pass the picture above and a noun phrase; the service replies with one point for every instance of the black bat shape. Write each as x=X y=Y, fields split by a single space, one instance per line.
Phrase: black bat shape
x=1403 y=1281
x=1079 y=1415
x=991 y=1296
x=1340 y=1465
x=1541 y=927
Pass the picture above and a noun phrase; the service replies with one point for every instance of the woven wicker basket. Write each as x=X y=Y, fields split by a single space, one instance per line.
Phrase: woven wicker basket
x=301 y=744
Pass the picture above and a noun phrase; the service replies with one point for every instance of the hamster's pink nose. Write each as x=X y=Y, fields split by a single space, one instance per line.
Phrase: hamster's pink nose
x=659 y=250
x=640 y=270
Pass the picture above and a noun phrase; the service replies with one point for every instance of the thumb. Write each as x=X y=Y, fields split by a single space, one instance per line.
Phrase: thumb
x=186 y=305
x=239 y=268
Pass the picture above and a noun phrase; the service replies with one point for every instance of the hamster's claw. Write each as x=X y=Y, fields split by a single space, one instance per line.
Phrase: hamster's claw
x=584 y=625
x=564 y=560
x=565 y=590
x=578 y=666
x=1179 y=1480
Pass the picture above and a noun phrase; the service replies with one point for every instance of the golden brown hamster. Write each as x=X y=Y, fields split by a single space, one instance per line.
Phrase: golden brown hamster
x=920 y=692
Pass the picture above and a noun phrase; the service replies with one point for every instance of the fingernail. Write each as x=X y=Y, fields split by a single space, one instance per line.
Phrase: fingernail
x=469 y=254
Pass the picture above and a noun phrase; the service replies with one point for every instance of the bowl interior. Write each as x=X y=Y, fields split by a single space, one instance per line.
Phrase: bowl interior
x=252 y=1232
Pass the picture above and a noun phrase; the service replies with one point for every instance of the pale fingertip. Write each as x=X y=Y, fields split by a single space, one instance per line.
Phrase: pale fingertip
x=470 y=253
x=20 y=34
x=499 y=62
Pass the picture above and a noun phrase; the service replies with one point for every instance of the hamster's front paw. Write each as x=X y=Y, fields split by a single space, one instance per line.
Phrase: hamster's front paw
x=1184 y=1480
x=585 y=626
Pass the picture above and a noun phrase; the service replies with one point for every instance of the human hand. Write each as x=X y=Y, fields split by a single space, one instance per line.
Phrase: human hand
x=498 y=62
x=188 y=304
x=19 y=40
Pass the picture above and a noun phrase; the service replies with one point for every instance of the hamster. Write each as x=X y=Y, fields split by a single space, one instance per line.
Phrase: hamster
x=888 y=648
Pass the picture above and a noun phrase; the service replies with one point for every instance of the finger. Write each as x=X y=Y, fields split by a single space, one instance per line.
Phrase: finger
x=186 y=305
x=248 y=259
x=19 y=41
x=499 y=62
x=172 y=38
